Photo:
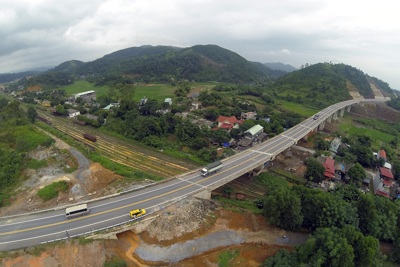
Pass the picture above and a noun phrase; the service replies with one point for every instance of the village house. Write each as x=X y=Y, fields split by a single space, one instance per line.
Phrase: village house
x=250 y=136
x=111 y=105
x=46 y=103
x=228 y=123
x=72 y=113
x=87 y=96
x=168 y=100
x=248 y=115
x=381 y=155
x=329 y=166
x=384 y=183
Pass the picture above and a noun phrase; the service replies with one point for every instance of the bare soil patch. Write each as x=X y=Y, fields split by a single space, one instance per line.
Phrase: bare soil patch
x=260 y=240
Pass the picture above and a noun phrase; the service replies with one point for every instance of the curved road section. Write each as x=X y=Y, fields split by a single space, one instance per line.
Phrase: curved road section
x=32 y=229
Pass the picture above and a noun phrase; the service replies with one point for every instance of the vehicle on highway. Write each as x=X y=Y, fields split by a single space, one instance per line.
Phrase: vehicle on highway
x=210 y=168
x=137 y=213
x=316 y=116
x=76 y=211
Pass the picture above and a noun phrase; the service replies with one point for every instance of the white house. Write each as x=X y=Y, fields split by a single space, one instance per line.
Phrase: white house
x=72 y=113
x=168 y=100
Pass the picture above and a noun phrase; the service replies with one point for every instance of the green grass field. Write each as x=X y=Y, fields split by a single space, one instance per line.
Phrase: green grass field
x=298 y=108
x=152 y=91
x=348 y=127
x=83 y=86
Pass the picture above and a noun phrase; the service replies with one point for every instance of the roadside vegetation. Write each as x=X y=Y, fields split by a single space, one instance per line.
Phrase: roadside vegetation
x=52 y=190
x=17 y=138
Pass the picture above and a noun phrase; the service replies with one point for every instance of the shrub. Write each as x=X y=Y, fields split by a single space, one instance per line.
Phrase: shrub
x=52 y=190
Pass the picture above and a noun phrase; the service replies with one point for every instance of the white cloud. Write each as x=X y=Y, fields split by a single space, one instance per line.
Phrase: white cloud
x=364 y=34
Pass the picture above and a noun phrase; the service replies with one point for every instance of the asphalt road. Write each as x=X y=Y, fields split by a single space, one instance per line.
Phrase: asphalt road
x=31 y=229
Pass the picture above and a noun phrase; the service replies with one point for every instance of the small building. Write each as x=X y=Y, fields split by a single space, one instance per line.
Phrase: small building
x=111 y=105
x=383 y=182
x=254 y=131
x=387 y=165
x=381 y=155
x=143 y=101
x=248 y=115
x=46 y=103
x=87 y=96
x=228 y=123
x=168 y=100
x=91 y=117
x=329 y=165
x=72 y=113
x=335 y=144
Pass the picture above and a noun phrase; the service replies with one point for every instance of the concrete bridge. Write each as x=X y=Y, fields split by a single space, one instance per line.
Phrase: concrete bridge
x=31 y=229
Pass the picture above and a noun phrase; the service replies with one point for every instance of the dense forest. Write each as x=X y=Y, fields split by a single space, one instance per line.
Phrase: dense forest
x=345 y=225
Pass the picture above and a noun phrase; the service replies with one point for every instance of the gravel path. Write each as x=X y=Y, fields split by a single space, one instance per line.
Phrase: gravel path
x=83 y=169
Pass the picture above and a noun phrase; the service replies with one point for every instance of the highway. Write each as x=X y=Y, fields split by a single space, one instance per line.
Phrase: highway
x=32 y=229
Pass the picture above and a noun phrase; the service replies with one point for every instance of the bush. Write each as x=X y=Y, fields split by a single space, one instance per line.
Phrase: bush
x=36 y=164
x=115 y=262
x=52 y=190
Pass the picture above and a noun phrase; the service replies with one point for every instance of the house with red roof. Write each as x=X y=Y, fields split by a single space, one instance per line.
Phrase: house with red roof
x=228 y=123
x=383 y=182
x=381 y=155
x=329 y=165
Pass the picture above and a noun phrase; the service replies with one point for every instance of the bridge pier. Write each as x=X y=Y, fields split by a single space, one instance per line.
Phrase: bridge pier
x=348 y=108
x=321 y=126
x=204 y=194
x=341 y=112
x=335 y=115
x=329 y=119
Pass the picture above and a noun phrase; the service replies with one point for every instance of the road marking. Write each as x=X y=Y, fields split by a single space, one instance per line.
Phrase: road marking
x=194 y=183
x=265 y=153
x=288 y=137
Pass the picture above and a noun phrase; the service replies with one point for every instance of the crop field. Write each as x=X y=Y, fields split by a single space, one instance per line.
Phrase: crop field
x=298 y=108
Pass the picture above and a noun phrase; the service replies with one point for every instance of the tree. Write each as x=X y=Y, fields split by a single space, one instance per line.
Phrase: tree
x=32 y=114
x=326 y=247
x=367 y=212
x=364 y=154
x=366 y=248
x=357 y=174
x=281 y=259
x=283 y=209
x=314 y=171
x=220 y=136
x=321 y=144
x=61 y=110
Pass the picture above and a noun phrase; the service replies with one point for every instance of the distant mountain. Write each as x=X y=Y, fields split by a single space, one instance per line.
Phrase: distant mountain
x=163 y=63
x=280 y=66
x=69 y=66
x=16 y=75
x=10 y=77
x=322 y=84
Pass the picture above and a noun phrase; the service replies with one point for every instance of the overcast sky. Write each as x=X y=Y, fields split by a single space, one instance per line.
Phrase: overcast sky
x=364 y=34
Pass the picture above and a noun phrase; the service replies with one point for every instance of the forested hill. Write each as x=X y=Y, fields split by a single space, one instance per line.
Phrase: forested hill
x=321 y=84
x=163 y=63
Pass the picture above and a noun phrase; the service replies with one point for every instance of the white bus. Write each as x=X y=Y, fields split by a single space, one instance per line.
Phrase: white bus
x=76 y=211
